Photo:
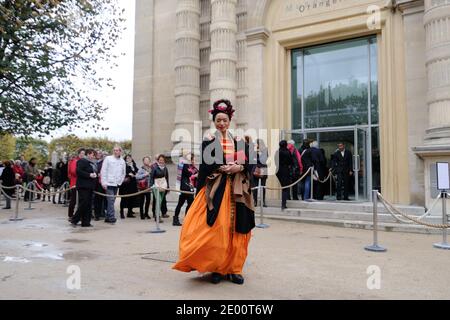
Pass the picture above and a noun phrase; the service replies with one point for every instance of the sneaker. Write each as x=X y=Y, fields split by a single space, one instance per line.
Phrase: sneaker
x=112 y=221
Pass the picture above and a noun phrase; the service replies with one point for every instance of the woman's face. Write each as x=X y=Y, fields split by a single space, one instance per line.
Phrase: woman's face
x=128 y=159
x=161 y=161
x=222 y=122
x=147 y=161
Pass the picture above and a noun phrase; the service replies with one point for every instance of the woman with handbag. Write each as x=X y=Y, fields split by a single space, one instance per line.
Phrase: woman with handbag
x=217 y=229
x=260 y=170
x=160 y=178
x=129 y=186
x=143 y=179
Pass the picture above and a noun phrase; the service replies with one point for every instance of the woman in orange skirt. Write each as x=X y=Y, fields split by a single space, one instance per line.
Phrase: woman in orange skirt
x=217 y=228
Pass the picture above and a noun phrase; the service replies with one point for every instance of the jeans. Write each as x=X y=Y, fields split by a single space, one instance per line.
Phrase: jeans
x=110 y=213
x=307 y=188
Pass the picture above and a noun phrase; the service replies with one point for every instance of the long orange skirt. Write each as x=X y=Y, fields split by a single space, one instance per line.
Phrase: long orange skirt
x=211 y=249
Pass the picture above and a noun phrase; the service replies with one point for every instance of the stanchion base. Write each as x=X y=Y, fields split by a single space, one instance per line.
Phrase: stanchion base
x=15 y=219
x=375 y=248
x=442 y=245
x=262 y=226
x=29 y=208
x=157 y=231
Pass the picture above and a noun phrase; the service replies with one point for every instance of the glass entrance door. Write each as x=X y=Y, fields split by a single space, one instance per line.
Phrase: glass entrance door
x=355 y=139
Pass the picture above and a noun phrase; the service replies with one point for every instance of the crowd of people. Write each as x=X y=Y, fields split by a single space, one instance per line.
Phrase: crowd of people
x=95 y=170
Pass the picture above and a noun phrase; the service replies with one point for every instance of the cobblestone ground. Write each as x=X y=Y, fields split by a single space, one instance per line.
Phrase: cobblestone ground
x=286 y=261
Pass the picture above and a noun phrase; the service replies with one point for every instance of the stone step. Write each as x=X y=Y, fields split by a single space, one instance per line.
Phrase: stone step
x=355 y=224
x=345 y=206
x=343 y=215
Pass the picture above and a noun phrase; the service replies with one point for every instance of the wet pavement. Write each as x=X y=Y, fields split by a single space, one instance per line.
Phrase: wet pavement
x=44 y=257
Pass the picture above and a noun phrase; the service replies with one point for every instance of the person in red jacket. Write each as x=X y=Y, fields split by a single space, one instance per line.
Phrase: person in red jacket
x=19 y=172
x=72 y=174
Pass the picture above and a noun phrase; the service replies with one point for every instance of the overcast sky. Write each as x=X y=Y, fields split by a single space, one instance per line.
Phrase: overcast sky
x=120 y=101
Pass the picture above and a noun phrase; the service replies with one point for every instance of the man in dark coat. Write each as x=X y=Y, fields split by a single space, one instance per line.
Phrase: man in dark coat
x=284 y=162
x=87 y=175
x=342 y=167
x=8 y=180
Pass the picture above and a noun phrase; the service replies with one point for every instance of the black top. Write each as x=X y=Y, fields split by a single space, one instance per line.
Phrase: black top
x=342 y=164
x=185 y=184
x=157 y=172
x=84 y=169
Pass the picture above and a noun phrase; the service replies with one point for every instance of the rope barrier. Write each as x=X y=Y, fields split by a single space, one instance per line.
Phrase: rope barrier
x=288 y=186
x=47 y=193
x=431 y=225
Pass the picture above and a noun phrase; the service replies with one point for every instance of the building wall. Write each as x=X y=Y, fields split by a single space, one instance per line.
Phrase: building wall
x=267 y=31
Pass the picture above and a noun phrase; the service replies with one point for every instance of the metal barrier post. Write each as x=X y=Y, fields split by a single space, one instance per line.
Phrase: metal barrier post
x=312 y=184
x=16 y=214
x=262 y=225
x=30 y=196
x=158 y=210
x=1 y=193
x=375 y=247
x=443 y=244
x=66 y=186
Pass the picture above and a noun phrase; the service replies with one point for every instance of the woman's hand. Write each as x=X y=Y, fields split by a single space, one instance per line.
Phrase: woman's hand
x=230 y=168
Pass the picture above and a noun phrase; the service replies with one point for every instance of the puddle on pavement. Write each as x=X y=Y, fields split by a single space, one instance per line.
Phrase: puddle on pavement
x=49 y=255
x=16 y=259
x=36 y=244
x=79 y=255
x=75 y=241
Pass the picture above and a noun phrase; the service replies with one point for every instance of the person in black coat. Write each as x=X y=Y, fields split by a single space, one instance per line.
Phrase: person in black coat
x=187 y=183
x=129 y=186
x=342 y=167
x=8 y=180
x=87 y=175
x=284 y=162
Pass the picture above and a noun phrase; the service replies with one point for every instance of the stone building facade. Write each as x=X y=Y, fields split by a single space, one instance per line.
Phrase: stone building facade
x=372 y=73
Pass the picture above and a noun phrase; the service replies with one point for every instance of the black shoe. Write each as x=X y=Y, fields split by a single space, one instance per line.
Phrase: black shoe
x=265 y=205
x=122 y=216
x=236 y=278
x=346 y=199
x=216 y=277
x=148 y=217
x=73 y=223
x=176 y=222
x=165 y=216
x=130 y=215
x=6 y=208
x=86 y=225
x=97 y=219
x=112 y=221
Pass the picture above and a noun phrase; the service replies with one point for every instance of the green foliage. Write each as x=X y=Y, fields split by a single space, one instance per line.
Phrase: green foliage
x=7 y=146
x=48 y=51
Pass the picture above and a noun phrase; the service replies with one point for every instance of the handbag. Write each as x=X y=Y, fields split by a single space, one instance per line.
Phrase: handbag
x=143 y=184
x=46 y=180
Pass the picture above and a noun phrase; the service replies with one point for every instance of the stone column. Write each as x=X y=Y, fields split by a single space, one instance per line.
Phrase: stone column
x=223 y=56
x=187 y=69
x=436 y=146
x=437 y=28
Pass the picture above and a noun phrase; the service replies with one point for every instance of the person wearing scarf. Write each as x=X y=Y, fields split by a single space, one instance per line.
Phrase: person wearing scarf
x=217 y=228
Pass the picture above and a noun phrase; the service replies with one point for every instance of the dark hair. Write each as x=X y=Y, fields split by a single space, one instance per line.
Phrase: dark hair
x=49 y=163
x=218 y=108
x=283 y=144
x=160 y=156
x=81 y=149
x=91 y=151
x=31 y=160
x=7 y=163
x=146 y=157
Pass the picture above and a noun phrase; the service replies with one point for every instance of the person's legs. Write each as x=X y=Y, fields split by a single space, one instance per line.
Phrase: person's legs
x=284 y=197
x=147 y=203
x=190 y=199
x=263 y=183
x=73 y=201
x=110 y=213
x=164 y=205
x=339 y=183
x=295 y=191
x=307 y=188
x=85 y=207
x=346 y=181
x=181 y=200
x=81 y=204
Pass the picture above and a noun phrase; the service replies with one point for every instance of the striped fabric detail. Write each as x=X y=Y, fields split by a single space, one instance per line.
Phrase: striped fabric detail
x=228 y=150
